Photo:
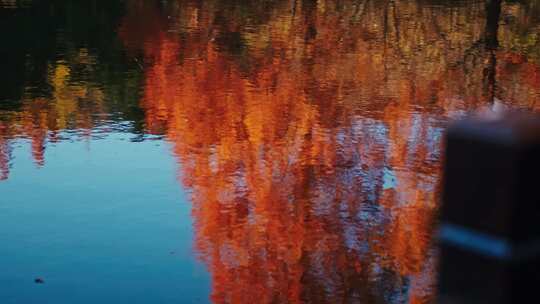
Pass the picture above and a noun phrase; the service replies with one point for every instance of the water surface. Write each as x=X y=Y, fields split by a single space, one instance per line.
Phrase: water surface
x=233 y=152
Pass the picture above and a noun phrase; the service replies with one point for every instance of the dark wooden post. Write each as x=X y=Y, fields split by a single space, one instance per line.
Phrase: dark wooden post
x=490 y=216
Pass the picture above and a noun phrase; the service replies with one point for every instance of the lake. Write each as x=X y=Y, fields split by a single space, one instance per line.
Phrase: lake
x=240 y=151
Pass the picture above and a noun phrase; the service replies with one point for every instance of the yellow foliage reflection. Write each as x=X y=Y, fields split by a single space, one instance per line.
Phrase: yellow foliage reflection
x=72 y=105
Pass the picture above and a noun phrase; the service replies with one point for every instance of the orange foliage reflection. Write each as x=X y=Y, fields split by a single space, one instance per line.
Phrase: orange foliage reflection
x=308 y=133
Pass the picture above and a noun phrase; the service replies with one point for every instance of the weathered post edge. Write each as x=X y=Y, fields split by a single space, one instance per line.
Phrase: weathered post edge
x=489 y=235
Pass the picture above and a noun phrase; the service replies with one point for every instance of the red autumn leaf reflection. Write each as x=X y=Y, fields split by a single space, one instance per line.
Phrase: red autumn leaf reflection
x=308 y=133
x=310 y=138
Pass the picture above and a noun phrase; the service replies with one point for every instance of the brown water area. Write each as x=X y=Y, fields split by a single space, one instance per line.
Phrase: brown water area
x=308 y=133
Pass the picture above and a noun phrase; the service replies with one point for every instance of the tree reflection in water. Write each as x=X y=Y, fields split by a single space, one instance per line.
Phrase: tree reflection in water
x=307 y=132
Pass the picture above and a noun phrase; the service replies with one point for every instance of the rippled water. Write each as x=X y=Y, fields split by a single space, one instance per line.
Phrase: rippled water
x=240 y=151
